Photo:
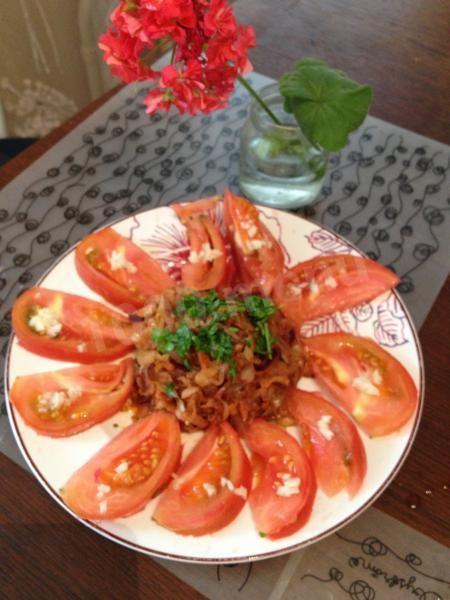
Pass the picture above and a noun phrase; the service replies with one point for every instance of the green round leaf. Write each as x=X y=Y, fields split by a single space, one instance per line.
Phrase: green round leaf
x=327 y=105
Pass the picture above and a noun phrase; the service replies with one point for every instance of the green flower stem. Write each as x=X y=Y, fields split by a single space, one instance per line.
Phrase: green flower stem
x=172 y=57
x=258 y=99
x=148 y=57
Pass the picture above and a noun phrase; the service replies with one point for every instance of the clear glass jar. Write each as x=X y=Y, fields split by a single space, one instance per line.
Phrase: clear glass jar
x=278 y=166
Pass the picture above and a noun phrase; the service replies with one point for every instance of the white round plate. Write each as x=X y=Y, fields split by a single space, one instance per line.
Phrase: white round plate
x=54 y=460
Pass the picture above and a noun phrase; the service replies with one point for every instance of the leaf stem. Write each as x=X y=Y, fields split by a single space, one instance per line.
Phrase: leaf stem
x=174 y=50
x=258 y=99
x=149 y=56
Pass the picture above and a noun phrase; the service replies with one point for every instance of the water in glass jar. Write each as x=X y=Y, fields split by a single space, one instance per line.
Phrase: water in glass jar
x=282 y=180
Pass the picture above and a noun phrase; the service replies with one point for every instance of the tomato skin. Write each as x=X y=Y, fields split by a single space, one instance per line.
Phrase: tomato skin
x=258 y=466
x=185 y=513
x=204 y=206
x=204 y=275
x=125 y=289
x=227 y=284
x=275 y=515
x=338 y=360
x=326 y=284
x=257 y=268
x=103 y=334
x=303 y=516
x=104 y=390
x=339 y=462
x=81 y=491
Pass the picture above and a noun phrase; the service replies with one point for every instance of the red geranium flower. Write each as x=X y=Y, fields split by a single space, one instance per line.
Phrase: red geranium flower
x=219 y=20
x=123 y=54
x=211 y=50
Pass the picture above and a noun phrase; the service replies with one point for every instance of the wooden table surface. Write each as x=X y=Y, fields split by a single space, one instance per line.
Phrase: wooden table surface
x=402 y=49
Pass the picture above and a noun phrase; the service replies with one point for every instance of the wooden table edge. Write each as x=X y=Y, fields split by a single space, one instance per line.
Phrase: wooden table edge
x=18 y=548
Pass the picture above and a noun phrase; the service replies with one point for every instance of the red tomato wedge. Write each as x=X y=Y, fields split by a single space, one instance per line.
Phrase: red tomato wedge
x=258 y=464
x=126 y=473
x=331 y=440
x=204 y=206
x=211 y=485
x=65 y=402
x=285 y=487
x=259 y=257
x=207 y=263
x=327 y=284
x=69 y=327
x=119 y=270
x=370 y=383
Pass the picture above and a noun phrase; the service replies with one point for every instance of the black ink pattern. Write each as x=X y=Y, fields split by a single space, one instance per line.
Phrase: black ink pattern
x=372 y=546
x=247 y=576
x=362 y=590
x=357 y=590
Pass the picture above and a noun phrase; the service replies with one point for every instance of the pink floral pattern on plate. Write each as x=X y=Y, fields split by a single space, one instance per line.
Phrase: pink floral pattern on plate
x=169 y=245
x=348 y=321
x=390 y=325
x=327 y=243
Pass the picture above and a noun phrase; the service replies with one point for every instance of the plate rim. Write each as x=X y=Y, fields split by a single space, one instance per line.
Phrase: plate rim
x=238 y=559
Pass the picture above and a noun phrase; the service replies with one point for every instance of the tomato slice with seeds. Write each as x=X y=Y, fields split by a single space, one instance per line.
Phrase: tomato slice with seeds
x=210 y=487
x=207 y=262
x=68 y=327
x=327 y=284
x=66 y=402
x=284 y=487
x=204 y=206
x=331 y=440
x=126 y=473
x=369 y=382
x=118 y=270
x=259 y=257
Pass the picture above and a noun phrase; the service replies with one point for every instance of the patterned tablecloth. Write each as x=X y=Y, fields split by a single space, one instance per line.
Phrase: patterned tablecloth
x=387 y=191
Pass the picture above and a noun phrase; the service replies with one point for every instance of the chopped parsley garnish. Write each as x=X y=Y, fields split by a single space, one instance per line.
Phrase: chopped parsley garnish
x=164 y=340
x=181 y=341
x=184 y=340
x=265 y=340
x=232 y=369
x=170 y=390
x=259 y=309
x=232 y=330
x=215 y=341
x=207 y=331
x=198 y=307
